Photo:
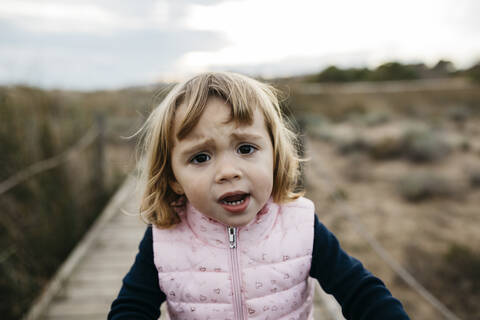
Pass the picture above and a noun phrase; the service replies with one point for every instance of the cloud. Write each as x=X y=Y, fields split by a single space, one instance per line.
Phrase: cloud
x=96 y=43
x=110 y=43
x=97 y=15
x=104 y=60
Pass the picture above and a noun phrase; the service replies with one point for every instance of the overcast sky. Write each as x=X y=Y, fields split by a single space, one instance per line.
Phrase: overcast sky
x=92 y=44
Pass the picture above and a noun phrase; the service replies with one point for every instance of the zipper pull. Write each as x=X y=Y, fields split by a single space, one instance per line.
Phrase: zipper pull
x=232 y=237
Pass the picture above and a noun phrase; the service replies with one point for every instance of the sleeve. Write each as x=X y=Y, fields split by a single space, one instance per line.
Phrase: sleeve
x=140 y=296
x=360 y=294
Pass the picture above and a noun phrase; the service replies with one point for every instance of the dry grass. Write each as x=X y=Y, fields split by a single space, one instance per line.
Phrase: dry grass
x=423 y=236
x=43 y=218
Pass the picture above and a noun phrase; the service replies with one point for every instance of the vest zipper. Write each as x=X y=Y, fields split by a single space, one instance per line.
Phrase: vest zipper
x=237 y=291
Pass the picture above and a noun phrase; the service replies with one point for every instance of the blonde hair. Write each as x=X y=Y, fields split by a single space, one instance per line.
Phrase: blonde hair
x=244 y=95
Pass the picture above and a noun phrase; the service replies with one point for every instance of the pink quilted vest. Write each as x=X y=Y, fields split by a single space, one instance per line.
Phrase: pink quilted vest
x=258 y=271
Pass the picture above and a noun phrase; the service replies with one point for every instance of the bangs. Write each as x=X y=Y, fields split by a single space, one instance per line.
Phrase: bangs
x=240 y=95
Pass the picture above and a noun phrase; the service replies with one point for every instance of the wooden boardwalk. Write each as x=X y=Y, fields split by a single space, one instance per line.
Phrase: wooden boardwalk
x=90 y=279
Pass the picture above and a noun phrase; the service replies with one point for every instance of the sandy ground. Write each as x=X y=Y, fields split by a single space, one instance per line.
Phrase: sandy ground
x=367 y=190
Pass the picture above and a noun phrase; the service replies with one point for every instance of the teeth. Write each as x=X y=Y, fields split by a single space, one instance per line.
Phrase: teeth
x=233 y=203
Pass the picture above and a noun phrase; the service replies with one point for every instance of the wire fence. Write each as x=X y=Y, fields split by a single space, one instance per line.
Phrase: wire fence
x=50 y=163
x=46 y=207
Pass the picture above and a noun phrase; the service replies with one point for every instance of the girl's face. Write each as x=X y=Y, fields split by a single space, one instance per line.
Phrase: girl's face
x=225 y=171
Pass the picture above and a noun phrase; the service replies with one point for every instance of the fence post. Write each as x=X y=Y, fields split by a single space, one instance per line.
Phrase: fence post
x=300 y=132
x=98 y=159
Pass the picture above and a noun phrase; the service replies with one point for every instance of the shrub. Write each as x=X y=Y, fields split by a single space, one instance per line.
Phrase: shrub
x=337 y=195
x=424 y=185
x=387 y=148
x=317 y=126
x=331 y=74
x=352 y=145
x=357 y=168
x=375 y=118
x=425 y=146
x=474 y=72
x=453 y=276
x=393 y=71
x=312 y=121
x=334 y=74
x=464 y=265
x=474 y=178
x=353 y=112
x=458 y=114
x=384 y=72
x=322 y=133
x=465 y=145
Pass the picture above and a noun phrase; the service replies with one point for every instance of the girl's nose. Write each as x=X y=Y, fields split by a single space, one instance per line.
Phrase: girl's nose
x=227 y=171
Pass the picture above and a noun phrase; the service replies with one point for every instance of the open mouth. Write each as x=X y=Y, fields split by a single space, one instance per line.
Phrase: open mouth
x=235 y=202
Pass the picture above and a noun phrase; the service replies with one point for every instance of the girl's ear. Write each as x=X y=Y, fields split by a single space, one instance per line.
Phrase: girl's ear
x=176 y=187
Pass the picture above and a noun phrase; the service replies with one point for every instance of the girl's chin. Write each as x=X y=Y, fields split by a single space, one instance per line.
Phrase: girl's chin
x=236 y=220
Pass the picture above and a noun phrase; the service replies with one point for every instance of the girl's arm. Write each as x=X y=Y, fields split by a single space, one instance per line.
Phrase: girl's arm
x=361 y=295
x=140 y=296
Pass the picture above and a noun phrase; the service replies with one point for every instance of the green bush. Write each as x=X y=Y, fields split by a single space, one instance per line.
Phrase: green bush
x=393 y=71
x=384 y=72
x=334 y=74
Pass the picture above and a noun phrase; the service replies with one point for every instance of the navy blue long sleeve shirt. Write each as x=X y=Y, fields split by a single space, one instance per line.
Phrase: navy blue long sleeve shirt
x=361 y=295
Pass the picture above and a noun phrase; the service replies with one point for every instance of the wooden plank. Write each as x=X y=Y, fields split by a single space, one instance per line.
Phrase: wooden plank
x=43 y=302
x=89 y=275
x=90 y=279
x=75 y=308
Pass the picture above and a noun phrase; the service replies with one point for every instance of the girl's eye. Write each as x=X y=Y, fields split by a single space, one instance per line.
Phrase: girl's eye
x=246 y=149
x=200 y=158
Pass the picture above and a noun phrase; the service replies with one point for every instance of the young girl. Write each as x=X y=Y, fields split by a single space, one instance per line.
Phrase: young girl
x=230 y=238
